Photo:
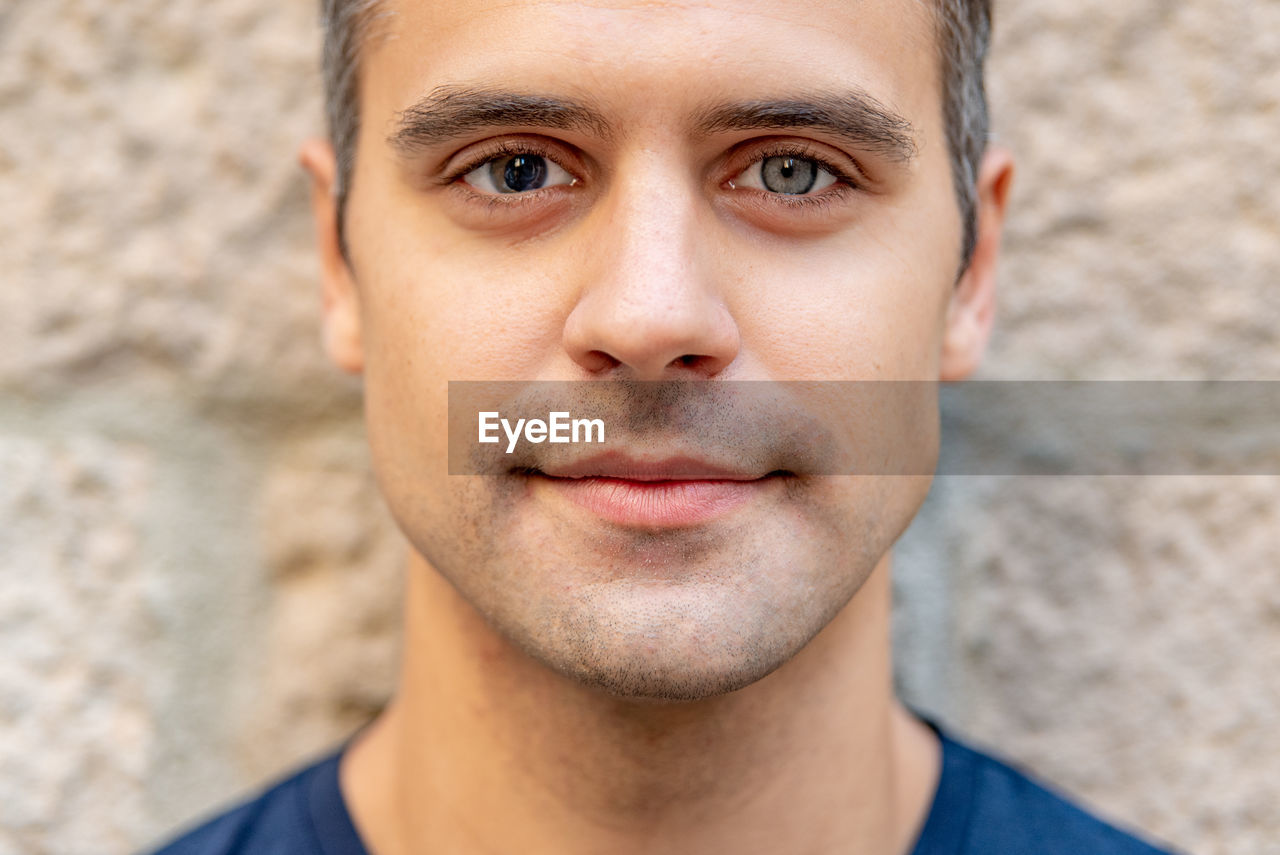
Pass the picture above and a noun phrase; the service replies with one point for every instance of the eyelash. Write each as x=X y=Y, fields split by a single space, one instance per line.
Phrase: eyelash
x=845 y=183
x=503 y=149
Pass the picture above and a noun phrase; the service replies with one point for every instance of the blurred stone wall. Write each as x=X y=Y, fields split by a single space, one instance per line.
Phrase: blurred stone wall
x=198 y=583
x=1121 y=635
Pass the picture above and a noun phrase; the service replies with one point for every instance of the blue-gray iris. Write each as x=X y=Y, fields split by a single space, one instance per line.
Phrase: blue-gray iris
x=791 y=175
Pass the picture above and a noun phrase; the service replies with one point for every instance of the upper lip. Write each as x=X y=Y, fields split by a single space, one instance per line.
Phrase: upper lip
x=628 y=467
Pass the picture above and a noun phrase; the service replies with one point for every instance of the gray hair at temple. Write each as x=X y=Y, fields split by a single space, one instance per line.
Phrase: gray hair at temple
x=963 y=35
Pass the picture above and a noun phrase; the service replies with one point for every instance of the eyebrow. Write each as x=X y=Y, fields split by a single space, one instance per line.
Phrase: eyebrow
x=449 y=112
x=853 y=116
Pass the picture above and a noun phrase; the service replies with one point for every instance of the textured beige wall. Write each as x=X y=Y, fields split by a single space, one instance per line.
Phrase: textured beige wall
x=198 y=584
x=1123 y=634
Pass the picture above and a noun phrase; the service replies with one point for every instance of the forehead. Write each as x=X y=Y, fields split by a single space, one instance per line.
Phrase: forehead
x=645 y=62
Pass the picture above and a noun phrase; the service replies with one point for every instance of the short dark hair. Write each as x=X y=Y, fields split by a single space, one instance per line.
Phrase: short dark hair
x=963 y=35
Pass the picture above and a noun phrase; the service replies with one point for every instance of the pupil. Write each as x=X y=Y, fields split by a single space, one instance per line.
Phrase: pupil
x=790 y=175
x=519 y=173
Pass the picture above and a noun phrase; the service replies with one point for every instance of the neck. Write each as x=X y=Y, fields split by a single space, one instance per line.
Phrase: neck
x=486 y=750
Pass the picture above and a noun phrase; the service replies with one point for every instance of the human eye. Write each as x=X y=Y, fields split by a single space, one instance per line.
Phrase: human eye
x=786 y=174
x=794 y=173
x=514 y=170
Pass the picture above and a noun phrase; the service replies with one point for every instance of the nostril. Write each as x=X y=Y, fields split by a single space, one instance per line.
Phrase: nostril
x=598 y=360
x=689 y=360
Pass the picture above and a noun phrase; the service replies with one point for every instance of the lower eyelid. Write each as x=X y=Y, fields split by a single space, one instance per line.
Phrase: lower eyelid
x=816 y=203
x=507 y=201
x=827 y=194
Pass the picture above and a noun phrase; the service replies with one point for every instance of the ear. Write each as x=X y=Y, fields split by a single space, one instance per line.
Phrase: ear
x=971 y=310
x=341 y=303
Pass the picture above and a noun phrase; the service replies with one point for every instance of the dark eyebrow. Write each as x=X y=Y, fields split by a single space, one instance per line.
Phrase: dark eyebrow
x=448 y=112
x=854 y=116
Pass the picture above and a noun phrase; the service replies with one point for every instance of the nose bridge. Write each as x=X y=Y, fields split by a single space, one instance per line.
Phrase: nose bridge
x=649 y=301
x=653 y=224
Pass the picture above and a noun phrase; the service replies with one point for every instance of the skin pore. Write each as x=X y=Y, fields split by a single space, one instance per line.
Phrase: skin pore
x=571 y=684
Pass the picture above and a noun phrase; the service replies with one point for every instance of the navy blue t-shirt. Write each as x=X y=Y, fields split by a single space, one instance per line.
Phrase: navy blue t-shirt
x=981 y=807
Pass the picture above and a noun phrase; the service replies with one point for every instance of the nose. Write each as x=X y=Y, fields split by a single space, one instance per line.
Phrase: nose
x=649 y=307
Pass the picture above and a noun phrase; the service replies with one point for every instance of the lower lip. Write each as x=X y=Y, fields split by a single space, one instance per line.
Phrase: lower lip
x=656 y=504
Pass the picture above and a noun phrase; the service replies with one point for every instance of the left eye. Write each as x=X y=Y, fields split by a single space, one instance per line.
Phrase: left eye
x=785 y=174
x=517 y=173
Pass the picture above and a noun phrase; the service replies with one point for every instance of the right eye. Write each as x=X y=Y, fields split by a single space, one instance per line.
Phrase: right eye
x=517 y=173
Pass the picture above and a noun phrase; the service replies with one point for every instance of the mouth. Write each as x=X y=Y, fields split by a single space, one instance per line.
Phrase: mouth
x=671 y=492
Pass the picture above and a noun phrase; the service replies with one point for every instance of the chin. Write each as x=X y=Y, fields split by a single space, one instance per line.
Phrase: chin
x=688 y=640
x=661 y=676
x=669 y=685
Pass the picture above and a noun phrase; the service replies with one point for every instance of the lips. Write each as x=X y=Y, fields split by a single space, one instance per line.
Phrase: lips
x=666 y=492
x=628 y=467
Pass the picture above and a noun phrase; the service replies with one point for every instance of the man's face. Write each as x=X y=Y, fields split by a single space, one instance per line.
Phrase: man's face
x=612 y=190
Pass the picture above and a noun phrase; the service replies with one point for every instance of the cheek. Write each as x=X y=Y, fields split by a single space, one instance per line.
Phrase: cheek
x=858 y=311
x=460 y=311
x=435 y=311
